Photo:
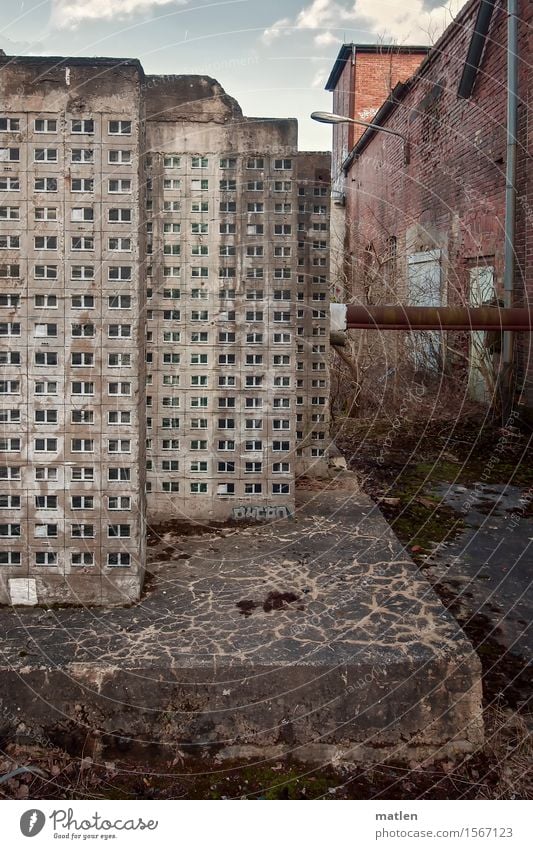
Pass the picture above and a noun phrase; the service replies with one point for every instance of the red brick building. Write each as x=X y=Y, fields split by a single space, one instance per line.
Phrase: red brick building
x=433 y=223
x=362 y=77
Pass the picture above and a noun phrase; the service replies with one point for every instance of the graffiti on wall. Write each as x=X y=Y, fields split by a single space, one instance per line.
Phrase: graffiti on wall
x=257 y=513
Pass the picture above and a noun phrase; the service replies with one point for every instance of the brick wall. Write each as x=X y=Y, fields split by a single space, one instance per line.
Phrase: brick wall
x=451 y=195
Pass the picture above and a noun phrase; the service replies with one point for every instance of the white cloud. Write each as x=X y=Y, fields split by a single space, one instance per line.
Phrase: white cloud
x=404 y=21
x=320 y=78
x=282 y=27
x=69 y=14
x=326 y=39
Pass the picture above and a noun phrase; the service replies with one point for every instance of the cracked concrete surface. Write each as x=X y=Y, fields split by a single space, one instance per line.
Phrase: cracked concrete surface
x=309 y=635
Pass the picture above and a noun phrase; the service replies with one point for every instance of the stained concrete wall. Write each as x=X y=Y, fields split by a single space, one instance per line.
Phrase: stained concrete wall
x=241 y=377
x=61 y=533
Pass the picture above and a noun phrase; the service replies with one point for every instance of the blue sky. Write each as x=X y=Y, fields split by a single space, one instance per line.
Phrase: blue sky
x=273 y=56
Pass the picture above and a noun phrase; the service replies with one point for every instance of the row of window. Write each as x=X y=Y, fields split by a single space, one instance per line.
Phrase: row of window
x=77 y=558
x=85 y=213
x=51 y=155
x=84 y=185
x=77 y=473
x=77 y=502
x=84 y=126
x=51 y=529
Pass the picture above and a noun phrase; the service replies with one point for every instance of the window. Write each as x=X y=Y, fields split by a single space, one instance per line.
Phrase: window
x=171 y=162
x=9 y=387
x=199 y=359
x=82 y=272
x=82 y=359
x=10 y=558
x=45 y=530
x=10 y=301
x=85 y=126
x=118 y=531
x=84 y=446
x=122 y=417
x=227 y=229
x=45 y=473
x=119 y=302
x=120 y=187
x=82 y=473
x=119 y=502
x=82 y=330
x=200 y=162
x=10 y=444
x=43 y=184
x=253 y=467
x=172 y=184
x=10 y=473
x=10 y=125
x=82 y=243
x=282 y=229
x=82 y=558
x=282 y=186
x=78 y=531
x=120 y=559
x=46 y=502
x=82 y=154
x=198 y=487
x=119 y=446
x=171 y=227
x=45 y=387
x=231 y=185
x=119 y=474
x=228 y=206
x=9 y=271
x=228 y=162
x=119 y=360
x=173 y=206
x=9 y=154
x=82 y=387
x=82 y=184
x=199 y=445
x=119 y=388
x=10 y=212
x=82 y=213
x=283 y=208
x=45 y=243
x=44 y=154
x=82 y=302
x=200 y=206
x=46 y=417
x=45 y=558
x=85 y=417
x=119 y=157
x=119 y=272
x=281 y=488
x=253 y=488
x=10 y=416
x=7 y=242
x=9 y=328
x=256 y=207
x=282 y=164
x=120 y=215
x=256 y=163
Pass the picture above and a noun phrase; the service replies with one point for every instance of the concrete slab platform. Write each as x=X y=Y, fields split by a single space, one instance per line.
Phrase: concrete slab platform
x=314 y=636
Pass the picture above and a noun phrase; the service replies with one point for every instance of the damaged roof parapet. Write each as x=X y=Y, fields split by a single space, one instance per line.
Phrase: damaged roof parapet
x=188 y=97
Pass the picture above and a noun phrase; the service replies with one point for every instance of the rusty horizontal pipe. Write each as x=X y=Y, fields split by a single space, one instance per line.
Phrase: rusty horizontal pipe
x=351 y=316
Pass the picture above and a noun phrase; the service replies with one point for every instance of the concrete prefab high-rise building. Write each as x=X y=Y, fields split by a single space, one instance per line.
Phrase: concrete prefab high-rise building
x=233 y=305
x=72 y=452
x=155 y=236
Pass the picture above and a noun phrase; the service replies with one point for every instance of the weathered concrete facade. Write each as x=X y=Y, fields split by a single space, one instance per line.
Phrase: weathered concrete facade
x=195 y=229
x=72 y=461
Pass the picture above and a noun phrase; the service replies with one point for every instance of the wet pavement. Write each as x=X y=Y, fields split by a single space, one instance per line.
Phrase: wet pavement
x=489 y=565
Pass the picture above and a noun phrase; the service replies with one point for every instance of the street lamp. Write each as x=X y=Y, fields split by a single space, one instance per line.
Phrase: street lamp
x=331 y=118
